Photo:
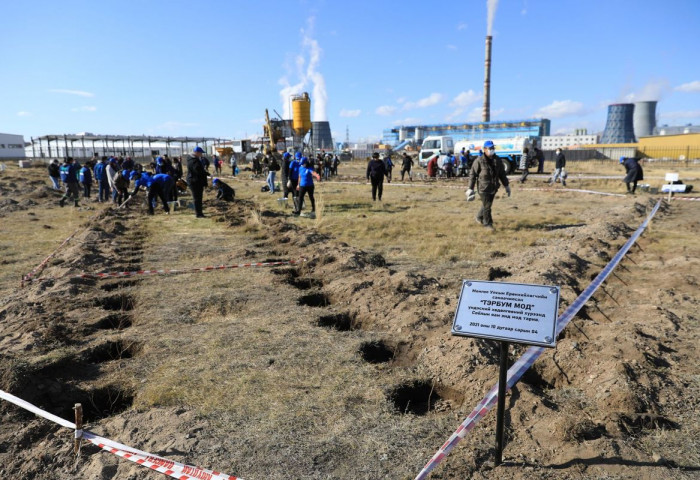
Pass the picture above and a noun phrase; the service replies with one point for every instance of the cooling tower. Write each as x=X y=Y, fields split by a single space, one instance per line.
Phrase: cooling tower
x=644 y=118
x=620 y=125
x=321 y=138
x=486 y=115
x=418 y=136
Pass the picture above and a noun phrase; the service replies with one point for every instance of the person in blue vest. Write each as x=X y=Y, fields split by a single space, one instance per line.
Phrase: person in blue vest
x=389 y=166
x=223 y=191
x=85 y=177
x=293 y=179
x=69 y=172
x=159 y=185
x=306 y=185
x=102 y=180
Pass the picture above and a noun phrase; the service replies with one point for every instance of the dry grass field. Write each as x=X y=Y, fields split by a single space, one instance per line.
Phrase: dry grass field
x=343 y=366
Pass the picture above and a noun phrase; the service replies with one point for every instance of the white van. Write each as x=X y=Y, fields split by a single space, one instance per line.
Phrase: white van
x=440 y=145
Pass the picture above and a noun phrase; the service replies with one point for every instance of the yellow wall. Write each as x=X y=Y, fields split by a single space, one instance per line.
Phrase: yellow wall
x=684 y=140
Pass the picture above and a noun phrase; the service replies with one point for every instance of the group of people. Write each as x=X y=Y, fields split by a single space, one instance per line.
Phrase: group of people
x=113 y=175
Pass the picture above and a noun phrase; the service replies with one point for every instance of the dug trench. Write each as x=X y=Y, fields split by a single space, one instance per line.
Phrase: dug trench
x=609 y=388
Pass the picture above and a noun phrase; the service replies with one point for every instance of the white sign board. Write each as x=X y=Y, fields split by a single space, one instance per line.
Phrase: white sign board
x=671 y=177
x=509 y=312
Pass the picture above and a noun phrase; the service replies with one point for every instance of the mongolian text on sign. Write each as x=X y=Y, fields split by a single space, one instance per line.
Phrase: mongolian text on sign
x=509 y=312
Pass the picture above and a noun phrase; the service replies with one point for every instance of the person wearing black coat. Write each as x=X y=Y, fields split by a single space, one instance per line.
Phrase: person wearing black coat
x=376 y=171
x=223 y=191
x=635 y=173
x=197 y=179
x=559 y=168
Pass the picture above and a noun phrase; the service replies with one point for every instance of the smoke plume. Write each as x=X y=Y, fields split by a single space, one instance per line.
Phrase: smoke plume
x=491 y=5
x=308 y=75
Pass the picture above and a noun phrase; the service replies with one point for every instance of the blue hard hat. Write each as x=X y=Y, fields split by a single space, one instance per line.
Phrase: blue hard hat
x=214 y=181
x=304 y=161
x=198 y=149
x=134 y=175
x=297 y=155
x=489 y=144
x=622 y=159
x=286 y=155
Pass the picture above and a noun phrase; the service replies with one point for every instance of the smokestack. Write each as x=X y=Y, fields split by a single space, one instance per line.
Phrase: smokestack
x=486 y=115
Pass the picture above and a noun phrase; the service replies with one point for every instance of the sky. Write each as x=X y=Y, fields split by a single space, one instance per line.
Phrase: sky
x=211 y=68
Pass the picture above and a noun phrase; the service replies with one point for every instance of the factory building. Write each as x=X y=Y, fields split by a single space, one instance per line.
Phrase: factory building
x=402 y=135
x=567 y=141
x=11 y=146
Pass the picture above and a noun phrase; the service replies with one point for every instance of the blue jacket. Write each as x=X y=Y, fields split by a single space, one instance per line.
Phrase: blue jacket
x=143 y=181
x=85 y=175
x=294 y=169
x=163 y=180
x=99 y=171
x=69 y=172
x=306 y=178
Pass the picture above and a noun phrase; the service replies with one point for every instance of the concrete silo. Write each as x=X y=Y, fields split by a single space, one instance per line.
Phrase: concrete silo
x=644 y=118
x=620 y=125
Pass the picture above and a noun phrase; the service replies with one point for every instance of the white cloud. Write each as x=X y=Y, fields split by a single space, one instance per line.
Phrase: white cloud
x=452 y=47
x=24 y=114
x=462 y=26
x=79 y=93
x=689 y=87
x=401 y=100
x=429 y=101
x=476 y=114
x=560 y=108
x=257 y=121
x=84 y=109
x=350 y=113
x=385 y=110
x=461 y=102
x=653 y=90
x=464 y=99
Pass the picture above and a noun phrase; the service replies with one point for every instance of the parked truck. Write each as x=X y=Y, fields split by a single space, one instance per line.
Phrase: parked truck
x=509 y=150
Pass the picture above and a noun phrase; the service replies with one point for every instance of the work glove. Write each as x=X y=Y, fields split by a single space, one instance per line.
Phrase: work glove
x=508 y=190
x=470 y=195
x=289 y=184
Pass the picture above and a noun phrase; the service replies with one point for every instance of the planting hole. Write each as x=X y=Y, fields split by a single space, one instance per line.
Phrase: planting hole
x=114 y=321
x=376 y=352
x=105 y=402
x=315 y=300
x=339 y=321
x=109 y=351
x=417 y=397
x=108 y=287
x=116 y=302
x=496 y=273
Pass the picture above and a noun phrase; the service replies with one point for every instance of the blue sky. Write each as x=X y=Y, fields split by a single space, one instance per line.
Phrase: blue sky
x=210 y=68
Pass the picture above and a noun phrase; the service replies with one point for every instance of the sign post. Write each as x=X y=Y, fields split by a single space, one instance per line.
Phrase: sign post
x=509 y=313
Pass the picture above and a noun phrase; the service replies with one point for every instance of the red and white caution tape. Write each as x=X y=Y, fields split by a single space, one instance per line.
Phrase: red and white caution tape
x=174 y=469
x=103 y=275
x=531 y=354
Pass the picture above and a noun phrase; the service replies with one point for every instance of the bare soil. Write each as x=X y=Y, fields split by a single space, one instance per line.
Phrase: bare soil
x=343 y=366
